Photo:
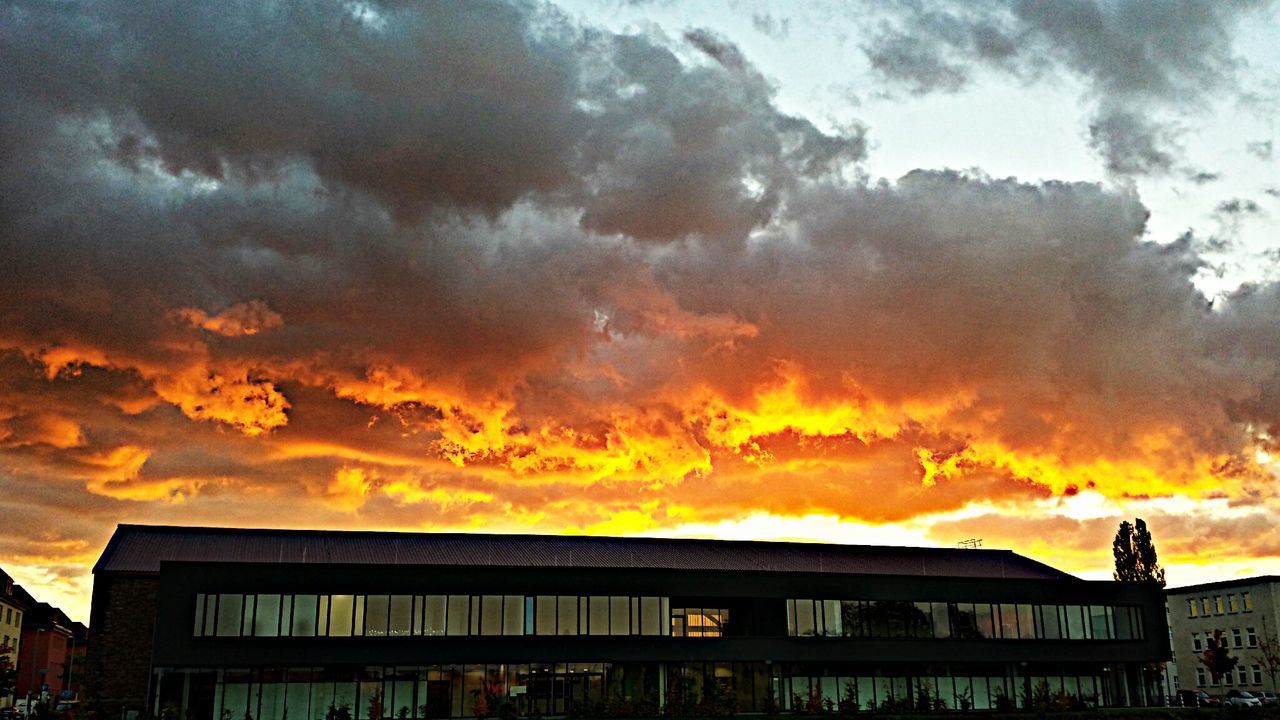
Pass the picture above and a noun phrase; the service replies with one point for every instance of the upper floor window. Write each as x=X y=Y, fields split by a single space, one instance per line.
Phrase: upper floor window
x=1219 y=608
x=698 y=622
x=891 y=618
x=276 y=615
x=1247 y=600
x=1237 y=638
x=1192 y=608
x=1252 y=637
x=1205 y=607
x=1195 y=642
x=1233 y=603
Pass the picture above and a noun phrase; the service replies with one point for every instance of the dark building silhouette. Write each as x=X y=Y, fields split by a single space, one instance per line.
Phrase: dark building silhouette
x=225 y=624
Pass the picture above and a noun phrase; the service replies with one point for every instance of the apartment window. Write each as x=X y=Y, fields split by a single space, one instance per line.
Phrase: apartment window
x=1192 y=608
x=1218 y=605
x=1195 y=642
x=1205 y=608
x=8 y=615
x=1247 y=601
x=1257 y=674
x=1200 y=677
x=1243 y=674
x=1233 y=603
x=1252 y=637
x=1237 y=638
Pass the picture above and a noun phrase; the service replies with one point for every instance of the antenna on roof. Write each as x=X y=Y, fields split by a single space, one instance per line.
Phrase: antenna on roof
x=970 y=544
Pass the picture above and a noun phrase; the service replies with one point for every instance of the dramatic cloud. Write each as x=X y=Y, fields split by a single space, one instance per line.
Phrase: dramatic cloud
x=1135 y=62
x=477 y=265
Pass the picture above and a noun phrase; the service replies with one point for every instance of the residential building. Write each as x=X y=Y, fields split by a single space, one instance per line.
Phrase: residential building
x=12 y=606
x=45 y=662
x=208 y=623
x=1242 y=610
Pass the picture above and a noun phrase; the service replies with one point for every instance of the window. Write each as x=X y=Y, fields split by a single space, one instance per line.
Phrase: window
x=568 y=615
x=341 y=610
x=1252 y=637
x=1191 y=608
x=1008 y=621
x=433 y=615
x=1205 y=608
x=1195 y=642
x=229 y=608
x=1075 y=622
x=650 y=616
x=804 y=619
x=1026 y=622
x=1233 y=604
x=1200 y=677
x=619 y=615
x=941 y=621
x=1247 y=601
x=304 y=616
x=1219 y=607
x=8 y=617
x=401 y=616
x=513 y=615
x=377 y=610
x=1243 y=674
x=457 y=615
x=598 y=615
x=985 y=620
x=1098 y=622
x=699 y=622
x=1050 y=629
x=266 y=621
x=1237 y=638
x=491 y=615
x=1257 y=674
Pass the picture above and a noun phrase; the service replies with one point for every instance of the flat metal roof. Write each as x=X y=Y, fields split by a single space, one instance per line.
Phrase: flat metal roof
x=141 y=549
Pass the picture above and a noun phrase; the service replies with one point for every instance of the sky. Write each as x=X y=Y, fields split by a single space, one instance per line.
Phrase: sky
x=906 y=273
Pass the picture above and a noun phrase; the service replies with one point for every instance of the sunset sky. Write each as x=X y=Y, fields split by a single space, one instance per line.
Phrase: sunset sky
x=856 y=272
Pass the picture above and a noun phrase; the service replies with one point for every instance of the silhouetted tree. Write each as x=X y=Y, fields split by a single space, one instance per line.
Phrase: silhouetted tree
x=1135 y=554
x=1217 y=657
x=8 y=671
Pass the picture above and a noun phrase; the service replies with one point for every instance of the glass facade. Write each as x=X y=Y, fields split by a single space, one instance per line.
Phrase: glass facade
x=1006 y=621
x=275 y=615
x=599 y=689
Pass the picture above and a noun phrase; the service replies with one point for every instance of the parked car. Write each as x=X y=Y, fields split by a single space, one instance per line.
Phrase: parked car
x=1197 y=698
x=1268 y=697
x=1243 y=698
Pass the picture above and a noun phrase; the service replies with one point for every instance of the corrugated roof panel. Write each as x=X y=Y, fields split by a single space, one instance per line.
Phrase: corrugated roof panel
x=141 y=548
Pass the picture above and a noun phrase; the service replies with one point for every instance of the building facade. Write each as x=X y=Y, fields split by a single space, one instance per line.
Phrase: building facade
x=1244 y=611
x=46 y=664
x=239 y=624
x=12 y=607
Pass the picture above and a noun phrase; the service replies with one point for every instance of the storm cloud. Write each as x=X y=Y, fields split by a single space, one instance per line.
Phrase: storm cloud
x=478 y=264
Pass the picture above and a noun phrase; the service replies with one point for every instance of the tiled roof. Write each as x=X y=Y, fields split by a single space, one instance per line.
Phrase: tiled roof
x=141 y=549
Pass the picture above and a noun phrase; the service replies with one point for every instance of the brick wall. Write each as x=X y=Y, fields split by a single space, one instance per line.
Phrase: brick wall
x=123 y=626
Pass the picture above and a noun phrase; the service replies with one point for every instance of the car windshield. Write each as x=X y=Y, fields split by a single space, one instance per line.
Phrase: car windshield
x=1244 y=694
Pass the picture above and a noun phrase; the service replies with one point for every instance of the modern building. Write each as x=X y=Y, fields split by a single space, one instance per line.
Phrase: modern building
x=12 y=606
x=227 y=624
x=1243 y=611
x=46 y=663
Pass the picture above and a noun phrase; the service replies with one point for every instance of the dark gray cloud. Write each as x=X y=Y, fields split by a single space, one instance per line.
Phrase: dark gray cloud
x=1134 y=57
x=1130 y=144
x=1261 y=149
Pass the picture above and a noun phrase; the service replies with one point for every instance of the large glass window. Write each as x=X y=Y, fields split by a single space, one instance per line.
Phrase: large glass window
x=513 y=615
x=545 y=615
x=1008 y=621
x=985 y=620
x=341 y=610
x=433 y=615
x=941 y=620
x=266 y=621
x=458 y=614
x=304 y=616
x=650 y=617
x=832 y=622
x=599 y=616
x=568 y=615
x=377 y=612
x=491 y=615
x=229 y=608
x=401 y=616
x=619 y=615
x=1026 y=622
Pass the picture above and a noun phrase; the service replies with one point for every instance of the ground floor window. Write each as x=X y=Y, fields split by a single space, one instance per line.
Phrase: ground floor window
x=637 y=689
